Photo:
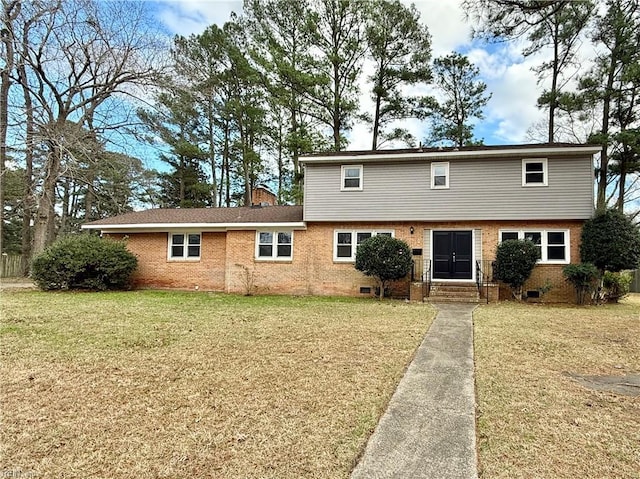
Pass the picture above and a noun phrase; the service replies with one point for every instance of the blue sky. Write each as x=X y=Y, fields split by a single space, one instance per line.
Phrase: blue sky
x=509 y=76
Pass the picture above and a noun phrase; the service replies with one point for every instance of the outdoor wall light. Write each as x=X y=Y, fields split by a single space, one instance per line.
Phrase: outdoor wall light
x=411 y=230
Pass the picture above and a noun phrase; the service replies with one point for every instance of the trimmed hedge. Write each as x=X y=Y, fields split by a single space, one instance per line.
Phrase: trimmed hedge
x=84 y=262
x=515 y=260
x=385 y=258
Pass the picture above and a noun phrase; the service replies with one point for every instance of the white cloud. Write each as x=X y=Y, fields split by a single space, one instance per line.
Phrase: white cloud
x=184 y=17
x=445 y=20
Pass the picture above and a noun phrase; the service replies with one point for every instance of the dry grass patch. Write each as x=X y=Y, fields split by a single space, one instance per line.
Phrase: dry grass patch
x=159 y=384
x=536 y=422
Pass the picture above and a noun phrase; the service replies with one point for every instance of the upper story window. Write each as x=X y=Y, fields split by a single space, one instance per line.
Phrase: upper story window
x=440 y=175
x=345 y=243
x=534 y=172
x=184 y=246
x=351 y=178
x=553 y=244
x=274 y=245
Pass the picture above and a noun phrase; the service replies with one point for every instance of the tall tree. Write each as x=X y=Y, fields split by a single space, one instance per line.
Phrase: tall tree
x=282 y=33
x=561 y=30
x=176 y=122
x=10 y=11
x=557 y=24
x=464 y=97
x=613 y=86
x=400 y=47
x=79 y=54
x=339 y=39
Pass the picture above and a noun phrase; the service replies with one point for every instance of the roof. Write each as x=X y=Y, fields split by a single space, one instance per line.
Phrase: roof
x=453 y=152
x=203 y=218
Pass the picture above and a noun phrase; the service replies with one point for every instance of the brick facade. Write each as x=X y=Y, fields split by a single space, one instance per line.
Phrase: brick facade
x=228 y=260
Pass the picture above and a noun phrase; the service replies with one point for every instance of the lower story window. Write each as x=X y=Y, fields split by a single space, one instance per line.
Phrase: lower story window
x=345 y=243
x=274 y=245
x=184 y=245
x=553 y=244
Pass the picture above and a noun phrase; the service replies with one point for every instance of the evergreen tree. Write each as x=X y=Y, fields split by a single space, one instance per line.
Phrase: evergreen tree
x=400 y=47
x=463 y=100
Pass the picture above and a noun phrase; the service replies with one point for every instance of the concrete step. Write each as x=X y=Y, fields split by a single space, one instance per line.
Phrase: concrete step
x=448 y=292
x=445 y=299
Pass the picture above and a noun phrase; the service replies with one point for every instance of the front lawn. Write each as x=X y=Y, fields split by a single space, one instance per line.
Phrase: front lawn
x=534 y=419
x=166 y=384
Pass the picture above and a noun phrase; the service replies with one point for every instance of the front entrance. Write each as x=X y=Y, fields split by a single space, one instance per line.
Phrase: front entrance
x=452 y=255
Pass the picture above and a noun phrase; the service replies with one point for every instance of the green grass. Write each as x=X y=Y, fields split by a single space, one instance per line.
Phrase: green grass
x=174 y=384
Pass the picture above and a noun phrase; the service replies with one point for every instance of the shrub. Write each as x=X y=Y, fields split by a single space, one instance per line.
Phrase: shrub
x=515 y=260
x=385 y=258
x=84 y=262
x=616 y=285
x=611 y=242
x=583 y=277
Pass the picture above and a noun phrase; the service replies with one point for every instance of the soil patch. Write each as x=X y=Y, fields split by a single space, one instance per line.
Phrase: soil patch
x=627 y=385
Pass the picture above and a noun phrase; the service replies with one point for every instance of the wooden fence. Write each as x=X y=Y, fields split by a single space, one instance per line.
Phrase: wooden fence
x=10 y=266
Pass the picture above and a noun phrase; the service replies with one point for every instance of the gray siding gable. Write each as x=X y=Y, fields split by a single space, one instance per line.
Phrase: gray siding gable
x=479 y=189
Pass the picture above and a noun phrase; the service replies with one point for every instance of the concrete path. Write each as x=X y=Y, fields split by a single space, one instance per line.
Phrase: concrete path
x=428 y=430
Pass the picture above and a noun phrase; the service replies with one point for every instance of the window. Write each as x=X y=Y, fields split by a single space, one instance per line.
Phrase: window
x=344 y=249
x=274 y=245
x=184 y=246
x=534 y=172
x=553 y=244
x=351 y=177
x=440 y=175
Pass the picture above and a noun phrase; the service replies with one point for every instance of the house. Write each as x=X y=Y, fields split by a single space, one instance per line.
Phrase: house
x=451 y=205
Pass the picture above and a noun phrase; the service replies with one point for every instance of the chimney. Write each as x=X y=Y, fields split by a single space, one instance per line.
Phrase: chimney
x=262 y=196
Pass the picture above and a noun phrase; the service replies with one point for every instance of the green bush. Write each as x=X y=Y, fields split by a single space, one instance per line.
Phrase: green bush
x=515 y=260
x=611 y=242
x=616 y=285
x=84 y=262
x=583 y=277
x=385 y=258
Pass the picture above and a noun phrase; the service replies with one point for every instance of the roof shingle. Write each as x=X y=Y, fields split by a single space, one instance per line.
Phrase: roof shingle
x=213 y=216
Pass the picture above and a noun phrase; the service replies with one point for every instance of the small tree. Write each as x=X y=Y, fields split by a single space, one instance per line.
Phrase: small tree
x=583 y=277
x=385 y=258
x=611 y=242
x=84 y=262
x=515 y=260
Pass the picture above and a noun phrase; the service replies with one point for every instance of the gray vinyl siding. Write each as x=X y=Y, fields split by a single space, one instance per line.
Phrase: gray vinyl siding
x=478 y=190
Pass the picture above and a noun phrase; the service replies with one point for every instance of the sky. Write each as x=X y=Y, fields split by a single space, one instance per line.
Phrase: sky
x=510 y=112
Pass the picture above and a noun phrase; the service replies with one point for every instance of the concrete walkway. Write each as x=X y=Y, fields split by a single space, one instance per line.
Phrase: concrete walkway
x=428 y=430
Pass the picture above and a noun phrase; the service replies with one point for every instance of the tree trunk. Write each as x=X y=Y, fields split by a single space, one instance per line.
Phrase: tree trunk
x=5 y=84
x=336 y=109
x=28 y=195
x=601 y=202
x=44 y=231
x=554 y=84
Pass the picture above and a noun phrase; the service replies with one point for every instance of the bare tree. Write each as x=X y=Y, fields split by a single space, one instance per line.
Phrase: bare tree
x=78 y=55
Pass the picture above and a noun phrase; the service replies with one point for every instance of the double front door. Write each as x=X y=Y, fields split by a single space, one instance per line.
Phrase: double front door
x=452 y=254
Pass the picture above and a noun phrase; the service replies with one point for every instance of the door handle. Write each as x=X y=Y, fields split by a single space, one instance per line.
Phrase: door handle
x=454 y=257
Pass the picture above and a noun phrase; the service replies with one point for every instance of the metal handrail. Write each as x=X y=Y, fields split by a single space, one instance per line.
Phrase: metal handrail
x=428 y=279
x=482 y=279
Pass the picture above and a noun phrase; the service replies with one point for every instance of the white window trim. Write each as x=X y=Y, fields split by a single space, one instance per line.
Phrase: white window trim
x=545 y=172
x=354 y=247
x=342 y=178
x=274 y=246
x=185 y=234
x=544 y=242
x=435 y=165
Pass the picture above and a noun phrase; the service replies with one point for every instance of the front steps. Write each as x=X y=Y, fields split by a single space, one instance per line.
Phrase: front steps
x=453 y=293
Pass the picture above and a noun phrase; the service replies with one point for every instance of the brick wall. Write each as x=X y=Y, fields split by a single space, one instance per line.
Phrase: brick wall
x=228 y=260
x=155 y=270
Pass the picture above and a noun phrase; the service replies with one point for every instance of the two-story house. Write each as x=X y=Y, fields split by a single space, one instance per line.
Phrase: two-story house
x=453 y=206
